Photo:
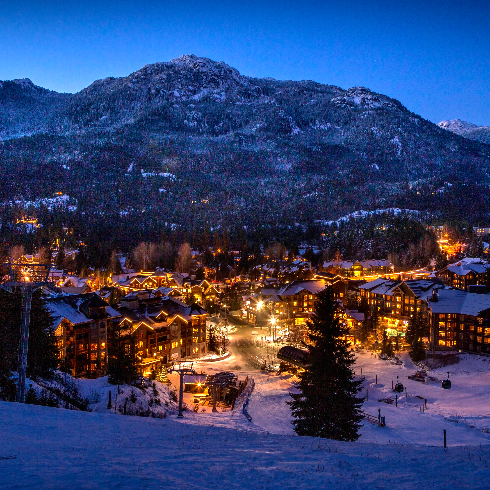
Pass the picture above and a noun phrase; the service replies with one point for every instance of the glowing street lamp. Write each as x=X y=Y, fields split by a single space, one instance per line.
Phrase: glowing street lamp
x=273 y=328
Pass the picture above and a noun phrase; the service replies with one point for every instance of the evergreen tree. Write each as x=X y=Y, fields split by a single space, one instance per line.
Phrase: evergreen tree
x=42 y=355
x=213 y=344
x=327 y=405
x=42 y=350
x=60 y=257
x=121 y=367
x=418 y=327
x=386 y=345
x=31 y=396
x=364 y=330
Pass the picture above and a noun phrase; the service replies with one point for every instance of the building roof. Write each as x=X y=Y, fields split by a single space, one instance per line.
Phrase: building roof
x=172 y=306
x=366 y=264
x=421 y=288
x=462 y=269
x=75 y=308
x=461 y=302
x=314 y=287
x=369 y=286
x=356 y=315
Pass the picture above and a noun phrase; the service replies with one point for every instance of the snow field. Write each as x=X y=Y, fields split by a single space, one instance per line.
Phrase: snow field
x=42 y=447
x=54 y=448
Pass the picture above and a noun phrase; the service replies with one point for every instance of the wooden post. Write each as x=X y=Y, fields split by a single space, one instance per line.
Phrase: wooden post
x=181 y=394
x=445 y=439
x=214 y=399
x=109 y=404
x=396 y=400
x=376 y=379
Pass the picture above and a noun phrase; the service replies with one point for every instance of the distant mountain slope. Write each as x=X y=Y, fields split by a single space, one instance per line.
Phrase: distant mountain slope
x=315 y=146
x=27 y=109
x=468 y=130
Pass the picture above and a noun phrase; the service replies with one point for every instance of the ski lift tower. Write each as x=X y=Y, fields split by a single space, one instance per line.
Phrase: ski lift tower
x=28 y=278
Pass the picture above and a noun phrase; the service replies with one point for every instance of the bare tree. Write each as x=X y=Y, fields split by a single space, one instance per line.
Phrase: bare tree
x=16 y=252
x=114 y=264
x=184 y=258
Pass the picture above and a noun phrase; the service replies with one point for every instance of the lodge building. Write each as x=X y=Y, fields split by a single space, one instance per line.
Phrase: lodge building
x=83 y=325
x=460 y=321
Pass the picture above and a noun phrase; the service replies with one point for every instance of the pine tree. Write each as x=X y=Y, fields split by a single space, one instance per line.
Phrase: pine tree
x=327 y=405
x=42 y=355
x=418 y=327
x=121 y=367
x=386 y=345
x=213 y=344
x=42 y=350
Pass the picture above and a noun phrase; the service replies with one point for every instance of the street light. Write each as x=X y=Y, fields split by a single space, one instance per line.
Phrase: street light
x=273 y=326
x=259 y=306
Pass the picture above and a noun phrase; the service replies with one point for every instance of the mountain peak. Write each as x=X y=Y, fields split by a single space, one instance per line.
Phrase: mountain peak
x=24 y=82
x=205 y=65
x=457 y=126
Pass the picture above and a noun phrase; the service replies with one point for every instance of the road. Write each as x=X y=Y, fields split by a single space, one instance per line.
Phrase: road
x=253 y=351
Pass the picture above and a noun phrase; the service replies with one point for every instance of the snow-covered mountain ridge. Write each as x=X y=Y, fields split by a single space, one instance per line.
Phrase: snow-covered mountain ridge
x=201 y=120
x=467 y=129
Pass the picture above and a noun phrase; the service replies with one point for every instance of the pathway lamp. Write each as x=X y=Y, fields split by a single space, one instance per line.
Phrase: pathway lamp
x=273 y=328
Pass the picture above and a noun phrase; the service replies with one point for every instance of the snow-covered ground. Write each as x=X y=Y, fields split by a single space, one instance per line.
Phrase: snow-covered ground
x=464 y=410
x=55 y=448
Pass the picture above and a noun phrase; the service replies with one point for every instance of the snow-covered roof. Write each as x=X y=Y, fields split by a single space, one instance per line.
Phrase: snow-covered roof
x=422 y=288
x=314 y=287
x=462 y=269
x=458 y=301
x=356 y=315
x=369 y=286
x=74 y=308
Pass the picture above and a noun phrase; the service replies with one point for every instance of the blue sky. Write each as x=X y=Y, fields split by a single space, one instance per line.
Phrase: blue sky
x=433 y=56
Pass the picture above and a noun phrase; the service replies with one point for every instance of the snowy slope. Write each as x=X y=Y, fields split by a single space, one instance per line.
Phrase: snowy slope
x=52 y=448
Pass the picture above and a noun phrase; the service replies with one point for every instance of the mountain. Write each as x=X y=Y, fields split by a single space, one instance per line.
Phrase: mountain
x=27 y=109
x=193 y=141
x=467 y=129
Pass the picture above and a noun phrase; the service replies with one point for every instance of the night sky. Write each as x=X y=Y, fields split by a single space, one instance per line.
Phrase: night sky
x=433 y=56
